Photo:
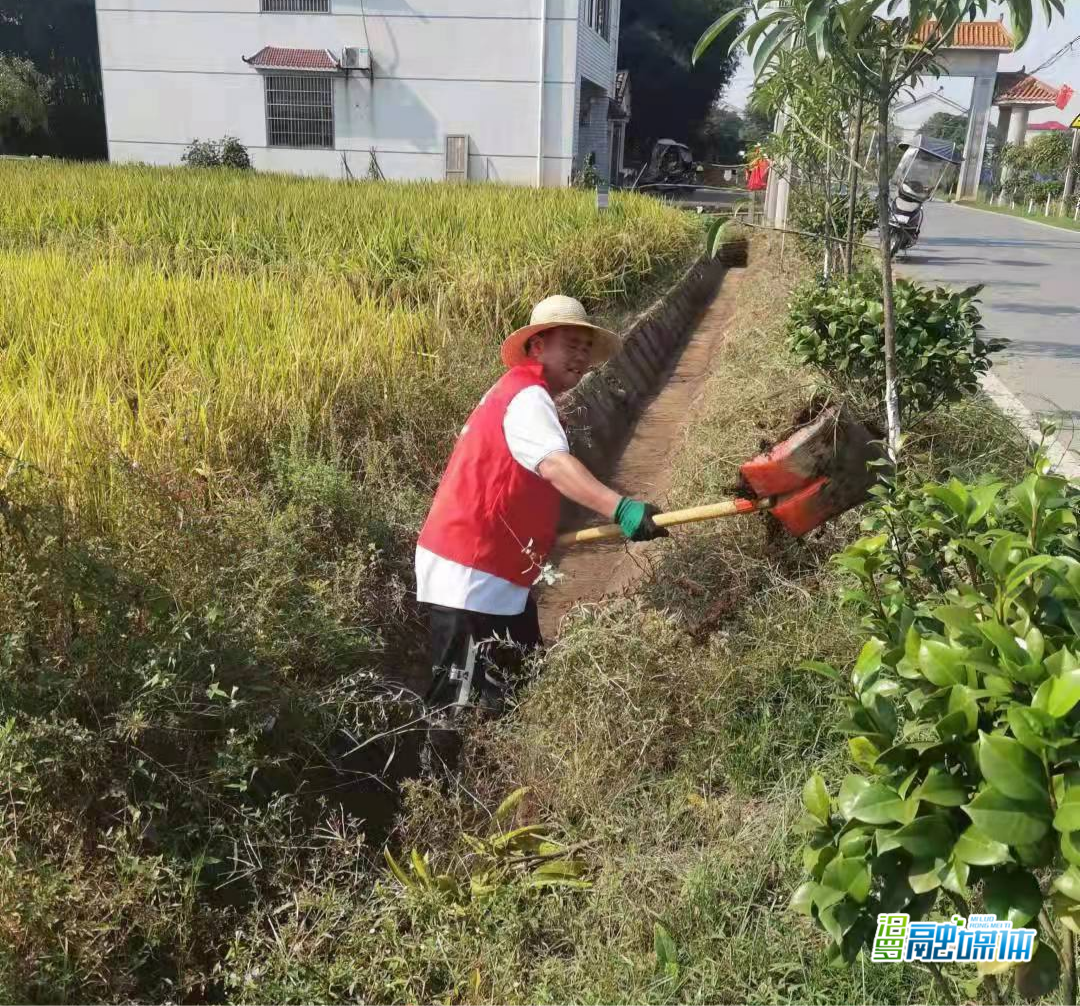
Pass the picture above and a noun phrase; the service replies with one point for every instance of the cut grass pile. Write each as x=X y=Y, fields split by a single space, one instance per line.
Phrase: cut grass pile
x=186 y=318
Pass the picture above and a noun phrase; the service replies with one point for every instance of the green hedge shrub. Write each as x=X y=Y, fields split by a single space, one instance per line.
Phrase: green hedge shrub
x=963 y=719
x=808 y=214
x=940 y=353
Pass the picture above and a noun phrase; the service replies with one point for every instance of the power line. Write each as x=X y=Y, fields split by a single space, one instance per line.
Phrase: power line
x=1064 y=50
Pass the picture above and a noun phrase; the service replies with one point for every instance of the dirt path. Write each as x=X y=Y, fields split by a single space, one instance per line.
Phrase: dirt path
x=643 y=471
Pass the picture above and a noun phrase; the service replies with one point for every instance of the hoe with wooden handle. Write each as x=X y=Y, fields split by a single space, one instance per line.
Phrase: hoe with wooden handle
x=729 y=508
x=819 y=471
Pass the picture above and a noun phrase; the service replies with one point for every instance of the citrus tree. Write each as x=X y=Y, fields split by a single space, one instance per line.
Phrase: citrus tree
x=879 y=43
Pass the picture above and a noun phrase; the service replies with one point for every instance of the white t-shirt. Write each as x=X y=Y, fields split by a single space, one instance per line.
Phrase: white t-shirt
x=533 y=432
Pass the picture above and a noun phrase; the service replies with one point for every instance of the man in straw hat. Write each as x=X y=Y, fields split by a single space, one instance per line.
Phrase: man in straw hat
x=493 y=520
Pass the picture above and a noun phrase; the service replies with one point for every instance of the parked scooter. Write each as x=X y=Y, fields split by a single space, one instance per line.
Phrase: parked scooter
x=917 y=178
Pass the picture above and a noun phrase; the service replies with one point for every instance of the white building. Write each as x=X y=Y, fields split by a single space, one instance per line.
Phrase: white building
x=422 y=88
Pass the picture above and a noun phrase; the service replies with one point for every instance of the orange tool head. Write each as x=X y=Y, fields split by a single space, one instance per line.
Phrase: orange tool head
x=819 y=471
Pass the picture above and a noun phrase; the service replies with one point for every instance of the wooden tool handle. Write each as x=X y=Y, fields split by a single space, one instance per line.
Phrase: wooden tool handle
x=729 y=508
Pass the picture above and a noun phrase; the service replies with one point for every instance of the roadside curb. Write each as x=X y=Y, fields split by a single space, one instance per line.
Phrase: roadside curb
x=1067 y=462
x=1023 y=220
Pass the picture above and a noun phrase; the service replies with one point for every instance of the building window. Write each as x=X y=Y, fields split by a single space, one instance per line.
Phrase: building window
x=598 y=16
x=296 y=6
x=299 y=111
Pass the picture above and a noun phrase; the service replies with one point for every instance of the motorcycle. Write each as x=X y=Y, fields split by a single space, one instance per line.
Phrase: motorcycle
x=917 y=177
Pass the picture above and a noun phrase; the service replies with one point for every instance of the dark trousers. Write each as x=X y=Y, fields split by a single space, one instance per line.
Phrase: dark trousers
x=504 y=641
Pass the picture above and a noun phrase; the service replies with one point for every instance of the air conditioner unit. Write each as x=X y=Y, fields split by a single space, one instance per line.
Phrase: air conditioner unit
x=356 y=57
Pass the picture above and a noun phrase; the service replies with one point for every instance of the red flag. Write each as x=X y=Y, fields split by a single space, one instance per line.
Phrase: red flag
x=1064 y=96
x=759 y=176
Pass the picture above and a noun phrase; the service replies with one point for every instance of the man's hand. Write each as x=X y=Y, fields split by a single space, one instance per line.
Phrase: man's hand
x=636 y=520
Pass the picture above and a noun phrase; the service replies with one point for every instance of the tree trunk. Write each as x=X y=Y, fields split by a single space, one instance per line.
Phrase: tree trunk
x=853 y=189
x=892 y=396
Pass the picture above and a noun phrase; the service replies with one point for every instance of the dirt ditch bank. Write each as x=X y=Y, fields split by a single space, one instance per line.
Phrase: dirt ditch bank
x=642 y=469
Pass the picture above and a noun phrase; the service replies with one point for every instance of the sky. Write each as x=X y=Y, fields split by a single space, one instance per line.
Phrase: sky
x=1041 y=44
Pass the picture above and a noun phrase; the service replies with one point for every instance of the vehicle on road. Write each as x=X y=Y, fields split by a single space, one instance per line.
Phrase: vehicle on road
x=671 y=168
x=917 y=177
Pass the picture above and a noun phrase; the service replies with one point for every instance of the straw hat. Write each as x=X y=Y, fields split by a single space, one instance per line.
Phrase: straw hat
x=553 y=313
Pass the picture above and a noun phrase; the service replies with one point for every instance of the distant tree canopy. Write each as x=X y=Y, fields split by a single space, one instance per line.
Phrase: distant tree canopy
x=671 y=97
x=60 y=38
x=946 y=126
x=24 y=96
x=725 y=132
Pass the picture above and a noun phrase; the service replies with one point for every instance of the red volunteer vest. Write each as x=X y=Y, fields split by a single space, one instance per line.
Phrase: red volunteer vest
x=489 y=512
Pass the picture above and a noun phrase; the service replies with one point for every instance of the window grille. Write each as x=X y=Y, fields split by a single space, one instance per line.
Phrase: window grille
x=299 y=111
x=296 y=6
x=457 y=158
x=603 y=16
x=598 y=16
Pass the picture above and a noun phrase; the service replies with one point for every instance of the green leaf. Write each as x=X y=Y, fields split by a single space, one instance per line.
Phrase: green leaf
x=1070 y=847
x=1068 y=883
x=816 y=798
x=850 y=790
x=942 y=789
x=1066 y=911
x=1013 y=895
x=979 y=849
x=664 y=946
x=942 y=663
x=1064 y=694
x=825 y=670
x=1003 y=819
x=838 y=919
x=710 y=34
x=815 y=18
x=878 y=804
x=560 y=868
x=956 y=617
x=1039 y=976
x=1067 y=818
x=1004 y=640
x=863 y=753
x=925 y=875
x=869 y=661
x=1031 y=727
x=777 y=35
x=852 y=876
x=955 y=876
x=984 y=497
x=929 y=837
x=752 y=33
x=1012 y=769
x=395 y=868
x=1016 y=580
x=1000 y=551
x=1038 y=854
x=802 y=901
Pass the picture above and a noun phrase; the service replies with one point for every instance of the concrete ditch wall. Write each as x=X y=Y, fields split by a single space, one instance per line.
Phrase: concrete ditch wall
x=601 y=411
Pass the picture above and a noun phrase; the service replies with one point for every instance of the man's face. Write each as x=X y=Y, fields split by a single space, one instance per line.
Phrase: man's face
x=565 y=354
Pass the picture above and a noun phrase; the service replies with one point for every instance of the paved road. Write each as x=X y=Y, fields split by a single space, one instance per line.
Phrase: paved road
x=1032 y=296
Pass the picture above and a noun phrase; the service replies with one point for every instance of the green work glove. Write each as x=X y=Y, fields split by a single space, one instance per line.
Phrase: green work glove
x=636 y=520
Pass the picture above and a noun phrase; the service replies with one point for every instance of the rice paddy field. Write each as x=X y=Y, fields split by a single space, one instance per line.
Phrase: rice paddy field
x=225 y=399
x=188 y=317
